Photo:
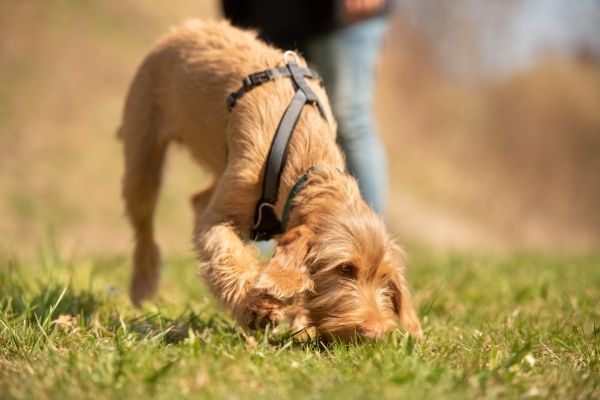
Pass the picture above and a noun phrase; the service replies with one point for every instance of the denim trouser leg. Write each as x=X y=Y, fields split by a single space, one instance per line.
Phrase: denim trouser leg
x=346 y=60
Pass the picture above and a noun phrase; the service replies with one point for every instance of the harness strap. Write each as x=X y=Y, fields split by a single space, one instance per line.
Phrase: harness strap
x=299 y=82
x=258 y=78
x=298 y=186
x=266 y=223
x=279 y=146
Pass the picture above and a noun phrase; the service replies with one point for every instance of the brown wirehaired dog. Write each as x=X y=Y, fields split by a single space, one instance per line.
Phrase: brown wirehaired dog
x=335 y=267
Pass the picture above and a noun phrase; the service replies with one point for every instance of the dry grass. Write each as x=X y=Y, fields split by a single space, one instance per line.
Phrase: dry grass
x=65 y=72
x=507 y=163
x=486 y=165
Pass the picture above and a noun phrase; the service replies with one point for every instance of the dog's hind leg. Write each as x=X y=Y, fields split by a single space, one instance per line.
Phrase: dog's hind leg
x=144 y=157
x=140 y=189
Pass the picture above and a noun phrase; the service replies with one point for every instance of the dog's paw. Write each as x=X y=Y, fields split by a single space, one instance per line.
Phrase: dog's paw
x=146 y=273
x=143 y=287
x=264 y=310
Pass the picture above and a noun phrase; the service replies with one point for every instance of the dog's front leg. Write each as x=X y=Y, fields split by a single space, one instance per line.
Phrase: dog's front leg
x=231 y=268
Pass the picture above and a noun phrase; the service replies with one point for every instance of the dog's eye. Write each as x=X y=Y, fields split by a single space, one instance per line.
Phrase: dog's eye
x=348 y=270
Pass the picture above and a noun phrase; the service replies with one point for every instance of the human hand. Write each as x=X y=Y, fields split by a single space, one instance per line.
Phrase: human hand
x=355 y=10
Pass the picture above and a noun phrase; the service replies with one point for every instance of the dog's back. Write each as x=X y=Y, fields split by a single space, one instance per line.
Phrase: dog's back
x=181 y=87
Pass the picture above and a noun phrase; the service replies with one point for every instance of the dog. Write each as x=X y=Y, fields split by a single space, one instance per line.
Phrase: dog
x=335 y=268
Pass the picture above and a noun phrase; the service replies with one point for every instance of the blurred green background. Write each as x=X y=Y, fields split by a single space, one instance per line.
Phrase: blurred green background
x=491 y=149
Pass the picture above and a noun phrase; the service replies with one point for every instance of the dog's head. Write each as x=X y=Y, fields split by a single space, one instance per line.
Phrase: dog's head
x=347 y=272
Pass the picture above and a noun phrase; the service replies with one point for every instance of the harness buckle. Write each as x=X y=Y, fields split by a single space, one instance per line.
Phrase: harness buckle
x=257 y=78
x=289 y=53
x=231 y=100
x=266 y=222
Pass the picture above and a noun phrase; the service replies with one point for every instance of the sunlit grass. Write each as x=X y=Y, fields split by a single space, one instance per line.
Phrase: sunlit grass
x=495 y=327
x=508 y=327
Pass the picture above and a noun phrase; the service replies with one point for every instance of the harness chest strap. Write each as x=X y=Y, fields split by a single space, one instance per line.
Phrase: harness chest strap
x=266 y=223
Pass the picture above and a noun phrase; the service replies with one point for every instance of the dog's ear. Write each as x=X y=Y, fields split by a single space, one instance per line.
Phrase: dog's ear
x=401 y=298
x=287 y=274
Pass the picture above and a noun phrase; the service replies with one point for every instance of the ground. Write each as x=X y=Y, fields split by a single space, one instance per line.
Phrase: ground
x=495 y=327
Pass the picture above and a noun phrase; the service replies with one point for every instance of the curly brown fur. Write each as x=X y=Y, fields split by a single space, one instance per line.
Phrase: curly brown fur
x=335 y=267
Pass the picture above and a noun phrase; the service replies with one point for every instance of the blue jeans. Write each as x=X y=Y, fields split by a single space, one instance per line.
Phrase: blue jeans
x=346 y=59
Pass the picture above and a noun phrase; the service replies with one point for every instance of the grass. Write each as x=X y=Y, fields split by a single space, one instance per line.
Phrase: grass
x=518 y=326
x=496 y=327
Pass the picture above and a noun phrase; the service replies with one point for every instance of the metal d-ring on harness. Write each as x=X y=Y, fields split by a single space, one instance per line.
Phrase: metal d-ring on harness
x=266 y=223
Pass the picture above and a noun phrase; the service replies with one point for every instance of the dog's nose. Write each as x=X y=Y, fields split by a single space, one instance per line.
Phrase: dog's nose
x=371 y=332
x=261 y=321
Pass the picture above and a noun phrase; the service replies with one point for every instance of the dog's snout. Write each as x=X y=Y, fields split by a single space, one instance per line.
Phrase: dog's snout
x=371 y=332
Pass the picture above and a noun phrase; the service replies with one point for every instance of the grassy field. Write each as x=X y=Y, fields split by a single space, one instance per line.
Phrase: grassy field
x=492 y=166
x=519 y=326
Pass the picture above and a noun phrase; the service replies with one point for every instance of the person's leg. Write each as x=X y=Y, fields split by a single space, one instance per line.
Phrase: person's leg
x=346 y=59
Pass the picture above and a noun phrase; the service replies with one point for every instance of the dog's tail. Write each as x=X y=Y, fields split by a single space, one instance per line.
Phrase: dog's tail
x=144 y=151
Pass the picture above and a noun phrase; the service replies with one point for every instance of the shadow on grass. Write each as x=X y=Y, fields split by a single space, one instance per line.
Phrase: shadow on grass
x=176 y=330
x=49 y=303
x=46 y=302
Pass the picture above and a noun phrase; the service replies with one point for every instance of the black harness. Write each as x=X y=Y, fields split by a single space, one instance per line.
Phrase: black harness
x=266 y=223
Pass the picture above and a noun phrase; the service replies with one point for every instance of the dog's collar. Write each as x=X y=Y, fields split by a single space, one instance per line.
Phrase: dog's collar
x=266 y=223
